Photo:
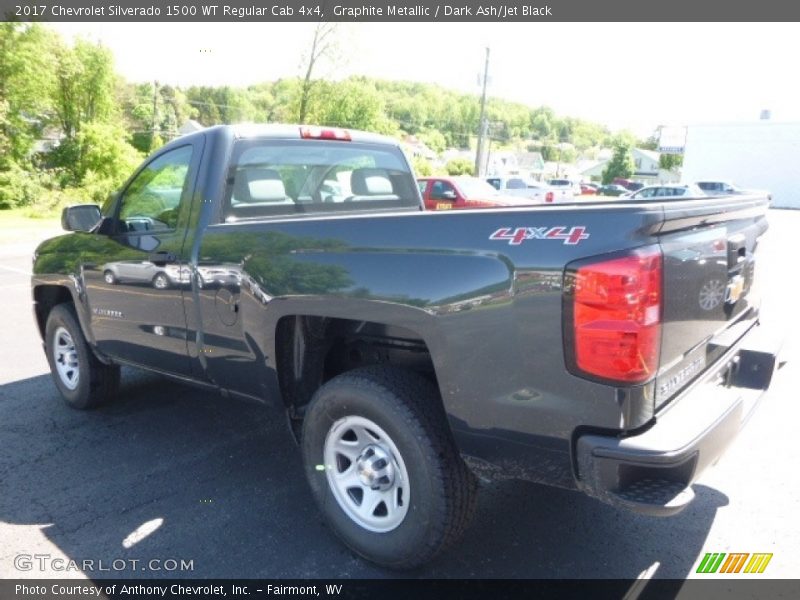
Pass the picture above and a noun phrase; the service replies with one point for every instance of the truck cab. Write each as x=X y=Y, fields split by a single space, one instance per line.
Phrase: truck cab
x=459 y=192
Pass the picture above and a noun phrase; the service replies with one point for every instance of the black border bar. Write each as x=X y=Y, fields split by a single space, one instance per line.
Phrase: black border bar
x=451 y=11
x=396 y=589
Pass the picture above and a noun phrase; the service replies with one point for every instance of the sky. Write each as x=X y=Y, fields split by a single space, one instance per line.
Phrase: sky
x=632 y=76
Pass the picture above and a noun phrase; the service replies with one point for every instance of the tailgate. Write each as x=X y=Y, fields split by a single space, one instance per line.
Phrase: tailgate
x=710 y=298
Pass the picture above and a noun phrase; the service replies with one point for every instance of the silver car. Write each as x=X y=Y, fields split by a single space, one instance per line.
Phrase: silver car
x=665 y=192
x=143 y=271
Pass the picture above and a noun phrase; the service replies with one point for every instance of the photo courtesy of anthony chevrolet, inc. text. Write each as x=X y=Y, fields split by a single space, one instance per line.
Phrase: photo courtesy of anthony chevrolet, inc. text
x=399 y=299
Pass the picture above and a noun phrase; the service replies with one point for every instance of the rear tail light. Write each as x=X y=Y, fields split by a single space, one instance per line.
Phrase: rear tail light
x=548 y=197
x=324 y=133
x=612 y=311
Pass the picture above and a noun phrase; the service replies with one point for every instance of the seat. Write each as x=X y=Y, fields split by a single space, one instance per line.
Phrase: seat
x=258 y=186
x=371 y=184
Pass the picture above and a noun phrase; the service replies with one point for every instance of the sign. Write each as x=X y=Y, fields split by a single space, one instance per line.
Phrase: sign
x=672 y=140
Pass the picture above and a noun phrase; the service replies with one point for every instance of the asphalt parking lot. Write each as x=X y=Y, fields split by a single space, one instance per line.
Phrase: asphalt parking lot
x=219 y=483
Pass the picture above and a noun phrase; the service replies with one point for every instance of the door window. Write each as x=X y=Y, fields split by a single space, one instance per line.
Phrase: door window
x=440 y=188
x=151 y=201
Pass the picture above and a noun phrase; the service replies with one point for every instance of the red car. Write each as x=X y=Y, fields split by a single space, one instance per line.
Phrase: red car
x=448 y=193
x=588 y=189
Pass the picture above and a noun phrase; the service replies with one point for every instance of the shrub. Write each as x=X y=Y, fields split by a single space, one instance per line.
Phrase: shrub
x=19 y=187
x=459 y=166
x=422 y=167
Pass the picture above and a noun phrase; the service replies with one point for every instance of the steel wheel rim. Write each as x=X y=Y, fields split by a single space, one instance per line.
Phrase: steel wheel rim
x=160 y=282
x=109 y=277
x=66 y=358
x=372 y=494
x=711 y=294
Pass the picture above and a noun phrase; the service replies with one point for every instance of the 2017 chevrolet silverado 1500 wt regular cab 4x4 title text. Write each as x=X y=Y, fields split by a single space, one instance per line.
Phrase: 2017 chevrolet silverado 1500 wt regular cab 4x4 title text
x=607 y=348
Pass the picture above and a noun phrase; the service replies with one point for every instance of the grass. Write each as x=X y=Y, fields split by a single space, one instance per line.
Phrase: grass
x=23 y=224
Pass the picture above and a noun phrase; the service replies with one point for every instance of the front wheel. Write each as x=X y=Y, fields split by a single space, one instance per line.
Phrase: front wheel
x=83 y=381
x=383 y=466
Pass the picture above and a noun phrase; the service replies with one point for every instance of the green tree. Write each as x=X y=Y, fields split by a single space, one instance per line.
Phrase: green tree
x=85 y=90
x=323 y=45
x=621 y=163
x=104 y=159
x=351 y=103
x=27 y=78
x=670 y=162
x=459 y=166
x=434 y=140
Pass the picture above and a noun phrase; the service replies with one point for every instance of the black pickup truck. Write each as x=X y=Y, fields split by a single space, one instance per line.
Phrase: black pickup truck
x=608 y=347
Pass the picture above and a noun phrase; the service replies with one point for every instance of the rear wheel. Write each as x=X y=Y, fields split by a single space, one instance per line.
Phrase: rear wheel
x=83 y=381
x=161 y=281
x=383 y=466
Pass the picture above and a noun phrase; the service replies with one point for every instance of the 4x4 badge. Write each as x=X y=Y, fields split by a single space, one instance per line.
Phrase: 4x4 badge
x=515 y=236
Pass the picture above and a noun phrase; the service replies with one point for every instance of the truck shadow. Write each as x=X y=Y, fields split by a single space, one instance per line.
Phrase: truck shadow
x=219 y=482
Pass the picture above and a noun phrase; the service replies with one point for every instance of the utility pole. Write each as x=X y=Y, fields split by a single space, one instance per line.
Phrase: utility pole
x=155 y=108
x=488 y=155
x=482 y=122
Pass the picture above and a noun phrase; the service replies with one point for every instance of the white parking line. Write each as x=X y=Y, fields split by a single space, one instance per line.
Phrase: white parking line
x=15 y=270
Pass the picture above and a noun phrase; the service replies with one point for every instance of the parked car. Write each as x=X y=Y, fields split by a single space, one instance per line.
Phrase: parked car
x=410 y=351
x=448 y=193
x=726 y=188
x=527 y=188
x=566 y=184
x=152 y=272
x=588 y=189
x=611 y=189
x=659 y=192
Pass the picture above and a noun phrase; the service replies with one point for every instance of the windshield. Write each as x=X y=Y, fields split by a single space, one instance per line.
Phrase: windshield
x=475 y=188
x=281 y=177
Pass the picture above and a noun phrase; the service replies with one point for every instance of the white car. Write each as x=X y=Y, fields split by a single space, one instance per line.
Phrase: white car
x=533 y=190
x=725 y=188
x=664 y=192
x=573 y=186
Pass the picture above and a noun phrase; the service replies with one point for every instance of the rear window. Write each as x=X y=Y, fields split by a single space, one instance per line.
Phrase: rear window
x=287 y=177
x=516 y=184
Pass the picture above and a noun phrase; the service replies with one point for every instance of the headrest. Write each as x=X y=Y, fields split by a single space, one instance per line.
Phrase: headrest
x=257 y=184
x=370 y=182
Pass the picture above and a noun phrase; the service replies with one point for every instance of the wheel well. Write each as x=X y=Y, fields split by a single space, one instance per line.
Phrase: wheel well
x=311 y=350
x=45 y=297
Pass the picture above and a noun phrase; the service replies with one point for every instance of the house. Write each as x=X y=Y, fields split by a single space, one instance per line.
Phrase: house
x=50 y=139
x=190 y=126
x=530 y=164
x=414 y=147
x=501 y=162
x=646 y=168
x=646 y=163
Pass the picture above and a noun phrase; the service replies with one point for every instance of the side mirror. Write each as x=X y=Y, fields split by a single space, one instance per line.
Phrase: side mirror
x=449 y=195
x=82 y=217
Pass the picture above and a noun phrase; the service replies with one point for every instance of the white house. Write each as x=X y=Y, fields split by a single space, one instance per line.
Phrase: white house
x=505 y=162
x=416 y=148
x=646 y=164
x=190 y=126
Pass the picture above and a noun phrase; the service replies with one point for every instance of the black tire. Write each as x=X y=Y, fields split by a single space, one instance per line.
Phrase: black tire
x=408 y=409
x=163 y=278
x=97 y=383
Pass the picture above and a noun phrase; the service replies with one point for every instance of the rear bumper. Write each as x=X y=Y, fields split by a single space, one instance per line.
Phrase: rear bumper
x=652 y=472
